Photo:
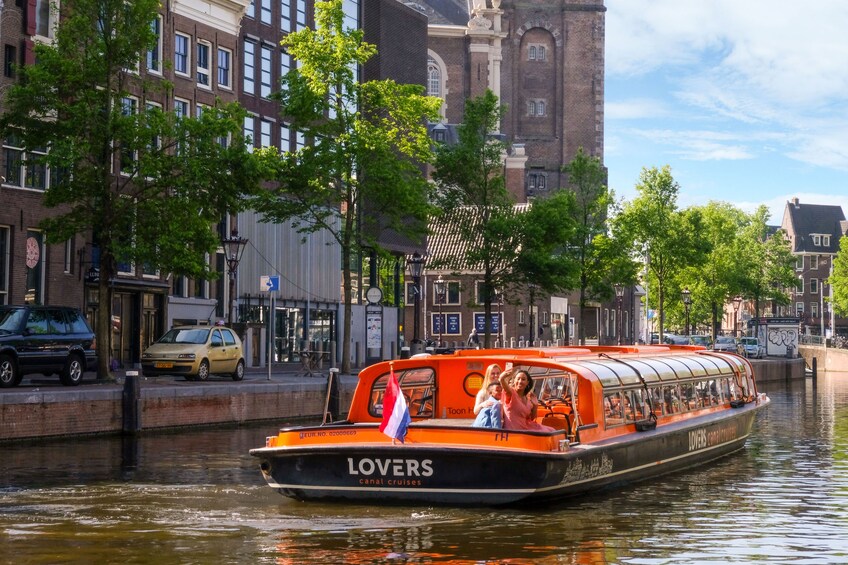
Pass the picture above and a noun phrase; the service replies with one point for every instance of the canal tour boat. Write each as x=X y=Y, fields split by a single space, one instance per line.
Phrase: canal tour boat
x=619 y=414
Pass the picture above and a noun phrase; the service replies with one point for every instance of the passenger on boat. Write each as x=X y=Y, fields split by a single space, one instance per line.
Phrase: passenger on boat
x=519 y=406
x=493 y=371
x=491 y=415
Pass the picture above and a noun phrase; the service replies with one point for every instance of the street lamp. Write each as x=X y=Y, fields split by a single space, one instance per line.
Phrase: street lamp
x=415 y=264
x=532 y=287
x=499 y=300
x=440 y=288
x=737 y=302
x=687 y=300
x=619 y=295
x=233 y=250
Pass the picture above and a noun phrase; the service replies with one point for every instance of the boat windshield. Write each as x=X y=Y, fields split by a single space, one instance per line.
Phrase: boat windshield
x=417 y=386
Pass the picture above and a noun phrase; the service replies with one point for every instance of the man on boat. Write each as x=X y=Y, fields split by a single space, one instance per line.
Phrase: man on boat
x=491 y=415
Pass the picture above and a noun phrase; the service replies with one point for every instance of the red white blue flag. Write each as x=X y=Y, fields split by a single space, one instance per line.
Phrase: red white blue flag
x=395 y=411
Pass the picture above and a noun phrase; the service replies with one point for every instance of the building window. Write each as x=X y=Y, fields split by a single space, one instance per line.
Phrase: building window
x=265 y=74
x=532 y=53
x=814 y=309
x=301 y=14
x=799 y=289
x=434 y=78
x=285 y=63
x=521 y=320
x=799 y=309
x=536 y=108
x=24 y=169
x=285 y=15
x=817 y=240
x=814 y=286
x=251 y=9
x=265 y=12
x=540 y=53
x=129 y=107
x=249 y=67
x=826 y=240
x=536 y=181
x=799 y=263
x=203 y=64
x=249 y=132
x=178 y=288
x=540 y=108
x=285 y=138
x=68 y=259
x=9 y=60
x=181 y=108
x=224 y=68
x=181 y=54
x=265 y=133
x=154 y=55
x=814 y=262
x=531 y=108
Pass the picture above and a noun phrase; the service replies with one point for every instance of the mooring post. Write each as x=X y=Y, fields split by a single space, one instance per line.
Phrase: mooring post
x=130 y=403
x=815 y=368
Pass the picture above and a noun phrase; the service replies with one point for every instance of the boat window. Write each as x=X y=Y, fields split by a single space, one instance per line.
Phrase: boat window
x=417 y=386
x=693 y=367
x=671 y=399
x=613 y=409
x=648 y=371
x=688 y=396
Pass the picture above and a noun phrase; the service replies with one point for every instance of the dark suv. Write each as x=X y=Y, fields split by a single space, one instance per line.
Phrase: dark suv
x=47 y=340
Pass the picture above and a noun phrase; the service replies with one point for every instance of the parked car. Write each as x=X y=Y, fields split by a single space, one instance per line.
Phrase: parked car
x=44 y=339
x=195 y=352
x=750 y=347
x=725 y=343
x=702 y=340
x=674 y=339
x=655 y=338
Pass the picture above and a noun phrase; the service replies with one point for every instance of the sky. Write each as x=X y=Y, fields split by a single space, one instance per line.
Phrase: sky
x=746 y=101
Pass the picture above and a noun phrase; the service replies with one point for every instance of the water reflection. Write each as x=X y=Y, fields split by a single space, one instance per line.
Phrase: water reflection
x=197 y=497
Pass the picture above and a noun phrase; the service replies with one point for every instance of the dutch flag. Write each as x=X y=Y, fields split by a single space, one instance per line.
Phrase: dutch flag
x=395 y=411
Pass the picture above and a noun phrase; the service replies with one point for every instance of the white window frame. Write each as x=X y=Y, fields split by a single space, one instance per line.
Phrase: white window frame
x=266 y=58
x=265 y=129
x=814 y=286
x=249 y=67
x=285 y=16
x=826 y=240
x=204 y=74
x=154 y=56
x=129 y=107
x=814 y=262
x=224 y=72
x=814 y=309
x=816 y=240
x=285 y=138
x=185 y=58
x=799 y=309
x=249 y=129
x=799 y=263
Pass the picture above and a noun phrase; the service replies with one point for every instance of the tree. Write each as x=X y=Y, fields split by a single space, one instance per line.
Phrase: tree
x=715 y=274
x=839 y=278
x=475 y=204
x=601 y=259
x=367 y=141
x=175 y=179
x=654 y=224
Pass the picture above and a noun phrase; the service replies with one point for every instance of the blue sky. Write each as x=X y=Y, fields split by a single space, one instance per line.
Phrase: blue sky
x=747 y=101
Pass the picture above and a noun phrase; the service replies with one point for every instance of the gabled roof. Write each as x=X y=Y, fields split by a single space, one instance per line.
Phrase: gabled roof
x=802 y=221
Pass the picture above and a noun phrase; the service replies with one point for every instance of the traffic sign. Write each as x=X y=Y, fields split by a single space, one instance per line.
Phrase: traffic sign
x=269 y=283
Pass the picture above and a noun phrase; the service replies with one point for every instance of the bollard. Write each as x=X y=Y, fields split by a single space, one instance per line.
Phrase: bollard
x=130 y=403
x=815 y=368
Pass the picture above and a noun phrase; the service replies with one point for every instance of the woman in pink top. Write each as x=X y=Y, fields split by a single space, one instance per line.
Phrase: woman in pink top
x=518 y=402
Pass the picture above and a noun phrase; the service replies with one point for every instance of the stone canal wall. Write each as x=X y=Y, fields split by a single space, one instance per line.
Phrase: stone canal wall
x=100 y=409
x=827 y=358
x=777 y=369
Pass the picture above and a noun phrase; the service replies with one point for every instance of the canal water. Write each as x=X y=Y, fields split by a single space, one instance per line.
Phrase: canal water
x=197 y=497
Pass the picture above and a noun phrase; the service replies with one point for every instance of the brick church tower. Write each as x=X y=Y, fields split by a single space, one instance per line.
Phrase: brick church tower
x=544 y=59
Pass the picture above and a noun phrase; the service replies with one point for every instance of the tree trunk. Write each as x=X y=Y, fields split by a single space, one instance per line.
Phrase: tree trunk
x=103 y=333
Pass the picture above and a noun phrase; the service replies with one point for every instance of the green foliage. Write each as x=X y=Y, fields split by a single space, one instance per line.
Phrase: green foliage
x=368 y=141
x=176 y=181
x=839 y=278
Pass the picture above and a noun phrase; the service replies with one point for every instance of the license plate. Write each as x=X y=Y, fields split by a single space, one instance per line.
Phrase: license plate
x=162 y=365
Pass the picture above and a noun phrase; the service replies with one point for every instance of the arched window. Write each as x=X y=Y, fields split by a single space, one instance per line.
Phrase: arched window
x=531 y=108
x=540 y=55
x=532 y=53
x=541 y=108
x=434 y=78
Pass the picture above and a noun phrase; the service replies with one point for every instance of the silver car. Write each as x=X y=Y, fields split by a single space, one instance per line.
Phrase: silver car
x=725 y=343
x=750 y=347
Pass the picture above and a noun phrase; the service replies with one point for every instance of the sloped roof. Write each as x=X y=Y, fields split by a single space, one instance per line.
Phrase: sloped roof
x=442 y=12
x=445 y=242
x=801 y=221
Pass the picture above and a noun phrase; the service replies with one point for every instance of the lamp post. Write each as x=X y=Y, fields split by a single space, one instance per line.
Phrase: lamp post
x=233 y=250
x=619 y=295
x=687 y=300
x=532 y=288
x=737 y=301
x=440 y=288
x=415 y=264
x=499 y=300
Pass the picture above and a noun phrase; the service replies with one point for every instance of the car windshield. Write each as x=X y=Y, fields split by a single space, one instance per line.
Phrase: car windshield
x=178 y=335
x=11 y=319
x=749 y=341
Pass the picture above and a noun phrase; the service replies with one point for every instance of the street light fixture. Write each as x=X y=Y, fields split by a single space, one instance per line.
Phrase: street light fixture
x=415 y=264
x=233 y=250
x=687 y=300
x=737 y=302
x=441 y=289
x=619 y=295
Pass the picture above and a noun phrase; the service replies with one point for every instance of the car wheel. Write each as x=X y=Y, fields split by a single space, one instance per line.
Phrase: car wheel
x=239 y=374
x=203 y=371
x=71 y=375
x=8 y=372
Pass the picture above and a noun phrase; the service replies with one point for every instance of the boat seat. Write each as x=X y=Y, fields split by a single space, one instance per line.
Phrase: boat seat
x=557 y=422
